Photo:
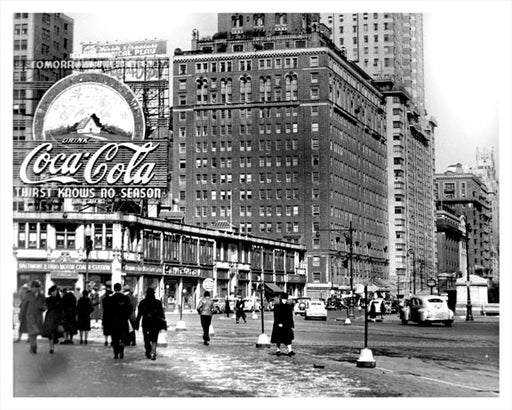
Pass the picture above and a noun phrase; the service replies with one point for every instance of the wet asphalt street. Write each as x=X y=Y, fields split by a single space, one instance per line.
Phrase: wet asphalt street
x=410 y=362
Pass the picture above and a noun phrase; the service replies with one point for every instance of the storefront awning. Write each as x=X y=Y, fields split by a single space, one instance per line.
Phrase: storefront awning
x=270 y=287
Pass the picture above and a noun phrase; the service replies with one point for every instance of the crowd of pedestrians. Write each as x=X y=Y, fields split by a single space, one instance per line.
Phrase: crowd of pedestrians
x=61 y=316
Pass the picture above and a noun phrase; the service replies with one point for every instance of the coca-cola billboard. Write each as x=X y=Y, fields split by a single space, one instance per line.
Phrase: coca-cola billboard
x=89 y=140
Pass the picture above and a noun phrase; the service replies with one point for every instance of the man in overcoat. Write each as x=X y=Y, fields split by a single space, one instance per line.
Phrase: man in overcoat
x=32 y=309
x=282 y=329
x=120 y=309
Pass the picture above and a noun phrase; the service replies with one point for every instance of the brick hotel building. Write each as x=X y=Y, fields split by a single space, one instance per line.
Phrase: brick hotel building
x=275 y=131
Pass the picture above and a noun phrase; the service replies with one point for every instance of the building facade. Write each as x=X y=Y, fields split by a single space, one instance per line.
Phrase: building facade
x=389 y=46
x=278 y=133
x=485 y=169
x=467 y=196
x=141 y=252
x=37 y=36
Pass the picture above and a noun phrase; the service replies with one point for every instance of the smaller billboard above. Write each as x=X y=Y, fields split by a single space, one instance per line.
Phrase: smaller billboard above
x=145 y=48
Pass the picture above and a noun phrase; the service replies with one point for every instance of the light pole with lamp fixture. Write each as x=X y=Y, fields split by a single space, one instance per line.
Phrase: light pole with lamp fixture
x=180 y=324
x=469 y=308
x=350 y=239
x=88 y=248
x=411 y=251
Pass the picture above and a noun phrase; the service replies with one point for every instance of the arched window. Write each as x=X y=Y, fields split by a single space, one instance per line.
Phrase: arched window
x=291 y=87
x=226 y=91
x=201 y=90
x=281 y=18
x=259 y=20
x=245 y=89
x=265 y=88
x=237 y=21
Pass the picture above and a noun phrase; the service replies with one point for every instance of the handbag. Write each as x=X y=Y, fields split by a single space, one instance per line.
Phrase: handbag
x=163 y=324
x=60 y=329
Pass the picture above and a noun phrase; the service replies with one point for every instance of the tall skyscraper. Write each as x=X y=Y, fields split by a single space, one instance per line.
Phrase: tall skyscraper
x=389 y=47
x=277 y=133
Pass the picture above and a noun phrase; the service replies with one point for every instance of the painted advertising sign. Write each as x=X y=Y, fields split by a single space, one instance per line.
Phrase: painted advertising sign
x=89 y=132
x=144 y=48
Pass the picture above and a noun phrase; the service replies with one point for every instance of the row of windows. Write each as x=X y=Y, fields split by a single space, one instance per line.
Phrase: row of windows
x=386 y=26
x=341 y=17
x=264 y=145
x=35 y=236
x=247 y=65
x=289 y=194
x=289 y=161
x=246 y=129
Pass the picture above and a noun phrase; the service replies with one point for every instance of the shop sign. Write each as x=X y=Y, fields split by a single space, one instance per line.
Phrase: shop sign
x=140 y=269
x=208 y=284
x=56 y=266
x=64 y=275
x=89 y=142
x=179 y=271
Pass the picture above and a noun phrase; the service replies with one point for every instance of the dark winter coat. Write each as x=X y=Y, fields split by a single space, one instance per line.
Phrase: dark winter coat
x=84 y=308
x=69 y=307
x=32 y=309
x=152 y=314
x=54 y=316
x=120 y=311
x=107 y=314
x=283 y=315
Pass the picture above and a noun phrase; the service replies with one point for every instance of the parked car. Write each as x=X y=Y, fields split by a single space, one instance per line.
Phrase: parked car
x=426 y=309
x=300 y=305
x=315 y=309
x=490 y=309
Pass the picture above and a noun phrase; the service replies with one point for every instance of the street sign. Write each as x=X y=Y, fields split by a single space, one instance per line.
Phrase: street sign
x=208 y=284
x=431 y=283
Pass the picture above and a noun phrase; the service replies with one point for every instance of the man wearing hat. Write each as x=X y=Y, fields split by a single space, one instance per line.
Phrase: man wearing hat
x=282 y=330
x=32 y=310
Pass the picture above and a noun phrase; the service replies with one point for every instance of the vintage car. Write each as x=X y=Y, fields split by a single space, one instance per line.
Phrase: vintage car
x=300 y=303
x=425 y=310
x=315 y=309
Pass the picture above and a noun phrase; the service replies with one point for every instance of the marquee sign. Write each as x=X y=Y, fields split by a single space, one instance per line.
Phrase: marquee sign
x=89 y=132
x=129 y=49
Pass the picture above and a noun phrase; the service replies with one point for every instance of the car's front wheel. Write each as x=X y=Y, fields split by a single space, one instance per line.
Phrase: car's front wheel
x=448 y=323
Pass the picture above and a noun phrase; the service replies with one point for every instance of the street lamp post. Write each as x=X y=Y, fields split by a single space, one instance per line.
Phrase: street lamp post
x=469 y=309
x=88 y=249
x=350 y=230
x=411 y=251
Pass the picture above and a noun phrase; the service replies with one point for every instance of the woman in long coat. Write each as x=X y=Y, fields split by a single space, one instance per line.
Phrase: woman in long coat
x=282 y=329
x=69 y=306
x=84 y=308
x=32 y=309
x=153 y=318
x=53 y=318
x=106 y=319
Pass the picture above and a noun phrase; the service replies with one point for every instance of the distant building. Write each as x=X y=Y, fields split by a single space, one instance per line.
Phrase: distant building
x=485 y=169
x=278 y=133
x=468 y=196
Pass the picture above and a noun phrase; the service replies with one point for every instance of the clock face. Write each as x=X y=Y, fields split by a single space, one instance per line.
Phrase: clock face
x=91 y=107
